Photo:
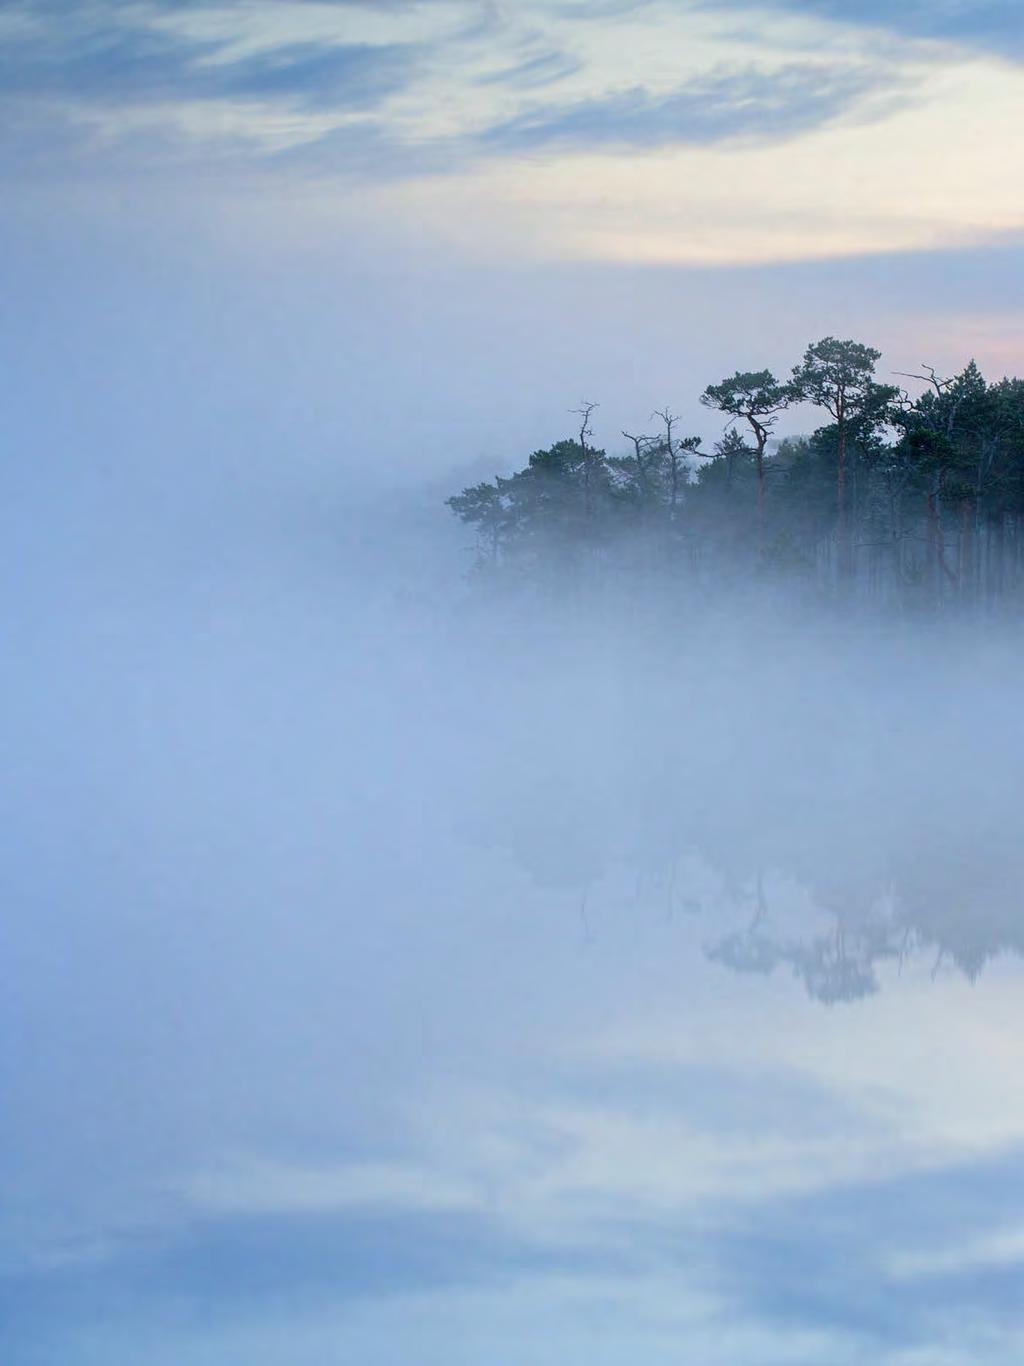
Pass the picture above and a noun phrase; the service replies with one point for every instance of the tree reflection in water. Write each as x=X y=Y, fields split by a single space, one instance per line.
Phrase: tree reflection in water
x=827 y=817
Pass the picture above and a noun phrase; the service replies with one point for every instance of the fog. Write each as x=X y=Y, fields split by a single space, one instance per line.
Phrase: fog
x=400 y=971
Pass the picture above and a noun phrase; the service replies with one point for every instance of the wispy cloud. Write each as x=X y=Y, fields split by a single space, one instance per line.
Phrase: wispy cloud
x=748 y=104
x=765 y=140
x=251 y=1187
x=371 y=151
x=544 y=69
x=241 y=1263
x=851 y=1261
x=991 y=25
x=111 y=65
x=839 y=1258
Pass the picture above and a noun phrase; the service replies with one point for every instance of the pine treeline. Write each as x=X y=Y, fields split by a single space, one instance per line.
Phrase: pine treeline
x=892 y=500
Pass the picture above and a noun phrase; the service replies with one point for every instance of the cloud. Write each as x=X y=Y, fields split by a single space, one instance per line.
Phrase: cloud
x=739 y=105
x=746 y=104
x=993 y=25
x=839 y=1258
x=595 y=9
x=535 y=71
x=462 y=121
x=371 y=151
x=312 y=76
x=240 y=1264
x=768 y=1102
x=136 y=65
x=355 y=1254
x=264 y=1187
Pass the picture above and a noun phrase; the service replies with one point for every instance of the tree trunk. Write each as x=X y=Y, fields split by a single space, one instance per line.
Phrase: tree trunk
x=966 y=556
x=934 y=585
x=760 y=496
x=844 y=563
x=998 y=558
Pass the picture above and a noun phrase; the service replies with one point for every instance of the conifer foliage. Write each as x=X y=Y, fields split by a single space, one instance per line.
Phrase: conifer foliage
x=892 y=499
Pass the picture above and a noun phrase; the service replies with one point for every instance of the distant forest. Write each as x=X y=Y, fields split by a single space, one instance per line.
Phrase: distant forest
x=894 y=500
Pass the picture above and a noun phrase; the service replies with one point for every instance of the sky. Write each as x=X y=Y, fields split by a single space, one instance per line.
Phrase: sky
x=378 y=982
x=431 y=228
x=682 y=134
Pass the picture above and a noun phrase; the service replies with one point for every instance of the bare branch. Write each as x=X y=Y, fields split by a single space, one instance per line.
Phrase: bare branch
x=583 y=412
x=929 y=377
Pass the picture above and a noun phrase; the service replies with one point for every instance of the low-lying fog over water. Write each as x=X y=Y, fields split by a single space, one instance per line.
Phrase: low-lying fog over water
x=396 y=973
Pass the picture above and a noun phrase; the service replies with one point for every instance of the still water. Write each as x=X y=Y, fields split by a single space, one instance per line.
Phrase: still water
x=391 y=981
